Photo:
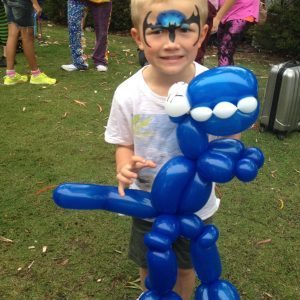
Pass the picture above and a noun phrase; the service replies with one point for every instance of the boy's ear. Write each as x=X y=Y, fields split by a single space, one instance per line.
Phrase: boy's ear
x=203 y=34
x=137 y=38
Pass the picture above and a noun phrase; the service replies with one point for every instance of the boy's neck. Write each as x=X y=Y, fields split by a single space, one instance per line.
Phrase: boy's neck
x=160 y=83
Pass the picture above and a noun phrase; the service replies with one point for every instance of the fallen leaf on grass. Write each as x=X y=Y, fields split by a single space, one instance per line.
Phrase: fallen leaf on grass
x=44 y=249
x=135 y=284
x=80 y=103
x=281 y=205
x=30 y=265
x=118 y=251
x=45 y=189
x=267 y=295
x=24 y=108
x=5 y=240
x=264 y=242
x=63 y=262
x=65 y=114
x=100 y=107
x=31 y=247
x=297 y=171
x=99 y=279
x=273 y=173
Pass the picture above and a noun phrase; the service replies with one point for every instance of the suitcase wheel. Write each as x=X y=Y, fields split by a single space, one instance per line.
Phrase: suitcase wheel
x=262 y=128
x=281 y=135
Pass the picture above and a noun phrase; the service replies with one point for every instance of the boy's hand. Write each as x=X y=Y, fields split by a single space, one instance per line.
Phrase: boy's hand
x=128 y=172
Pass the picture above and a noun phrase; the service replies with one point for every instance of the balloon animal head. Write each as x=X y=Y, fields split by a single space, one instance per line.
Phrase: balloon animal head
x=223 y=100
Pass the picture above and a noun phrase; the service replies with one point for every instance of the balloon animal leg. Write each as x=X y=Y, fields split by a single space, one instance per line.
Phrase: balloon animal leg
x=161 y=259
x=208 y=267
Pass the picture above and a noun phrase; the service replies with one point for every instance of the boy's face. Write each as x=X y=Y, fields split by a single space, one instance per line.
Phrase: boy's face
x=170 y=34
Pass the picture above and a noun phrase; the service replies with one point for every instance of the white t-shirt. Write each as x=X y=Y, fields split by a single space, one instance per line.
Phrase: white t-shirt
x=138 y=118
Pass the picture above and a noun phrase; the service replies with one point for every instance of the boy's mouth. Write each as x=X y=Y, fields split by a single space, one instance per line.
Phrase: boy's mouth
x=172 y=57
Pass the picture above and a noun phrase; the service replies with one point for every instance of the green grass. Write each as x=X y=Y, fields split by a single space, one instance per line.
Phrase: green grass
x=47 y=138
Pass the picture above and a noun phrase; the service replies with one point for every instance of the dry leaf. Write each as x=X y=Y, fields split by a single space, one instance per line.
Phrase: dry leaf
x=66 y=114
x=80 y=103
x=281 y=204
x=44 y=250
x=24 y=108
x=30 y=265
x=45 y=189
x=297 y=171
x=64 y=262
x=263 y=242
x=99 y=280
x=118 y=251
x=31 y=247
x=100 y=108
x=5 y=240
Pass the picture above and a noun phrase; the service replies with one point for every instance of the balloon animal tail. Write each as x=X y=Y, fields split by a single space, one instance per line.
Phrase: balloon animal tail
x=91 y=196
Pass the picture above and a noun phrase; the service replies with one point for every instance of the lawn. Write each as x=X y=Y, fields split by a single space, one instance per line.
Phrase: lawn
x=51 y=135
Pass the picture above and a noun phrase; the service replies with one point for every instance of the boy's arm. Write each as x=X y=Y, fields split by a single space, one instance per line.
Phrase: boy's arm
x=128 y=165
x=37 y=7
x=237 y=136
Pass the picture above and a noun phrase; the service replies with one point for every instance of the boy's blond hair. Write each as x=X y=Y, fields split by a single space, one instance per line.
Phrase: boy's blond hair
x=137 y=7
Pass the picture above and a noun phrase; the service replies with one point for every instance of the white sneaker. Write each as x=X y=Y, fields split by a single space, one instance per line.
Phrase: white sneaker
x=71 y=67
x=101 y=68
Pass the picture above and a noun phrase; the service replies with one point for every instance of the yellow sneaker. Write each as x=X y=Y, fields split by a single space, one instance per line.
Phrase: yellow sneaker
x=15 y=79
x=42 y=78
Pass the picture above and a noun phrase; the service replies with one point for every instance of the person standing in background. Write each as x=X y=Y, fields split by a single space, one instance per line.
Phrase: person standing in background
x=231 y=22
x=3 y=34
x=20 y=21
x=101 y=11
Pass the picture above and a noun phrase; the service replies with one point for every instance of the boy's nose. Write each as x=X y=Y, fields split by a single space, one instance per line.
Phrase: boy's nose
x=169 y=44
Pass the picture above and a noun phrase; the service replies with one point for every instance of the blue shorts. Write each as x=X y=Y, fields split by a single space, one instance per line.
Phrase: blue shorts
x=20 y=12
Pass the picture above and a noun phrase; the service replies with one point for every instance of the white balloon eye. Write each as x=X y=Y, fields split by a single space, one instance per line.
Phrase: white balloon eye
x=201 y=114
x=177 y=103
x=247 y=105
x=224 y=110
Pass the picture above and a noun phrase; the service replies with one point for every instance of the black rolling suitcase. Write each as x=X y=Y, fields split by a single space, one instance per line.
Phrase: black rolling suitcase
x=281 y=108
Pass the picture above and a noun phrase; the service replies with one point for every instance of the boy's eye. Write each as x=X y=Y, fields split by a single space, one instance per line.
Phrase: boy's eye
x=185 y=29
x=157 y=31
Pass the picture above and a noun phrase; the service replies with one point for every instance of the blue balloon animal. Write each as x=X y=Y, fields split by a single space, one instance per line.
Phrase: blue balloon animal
x=221 y=101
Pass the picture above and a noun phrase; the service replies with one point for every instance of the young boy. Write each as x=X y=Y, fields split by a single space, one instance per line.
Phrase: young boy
x=170 y=33
x=20 y=20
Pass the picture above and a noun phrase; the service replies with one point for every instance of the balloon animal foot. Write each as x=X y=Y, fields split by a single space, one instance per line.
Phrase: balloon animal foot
x=218 y=290
x=150 y=295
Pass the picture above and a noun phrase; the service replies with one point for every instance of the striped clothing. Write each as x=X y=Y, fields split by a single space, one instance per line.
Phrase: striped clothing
x=3 y=25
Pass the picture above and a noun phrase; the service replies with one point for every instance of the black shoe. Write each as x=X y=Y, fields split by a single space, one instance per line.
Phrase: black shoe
x=3 y=62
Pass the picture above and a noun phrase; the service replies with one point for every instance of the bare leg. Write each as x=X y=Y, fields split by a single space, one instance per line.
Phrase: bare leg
x=143 y=274
x=11 y=44
x=28 y=47
x=185 y=283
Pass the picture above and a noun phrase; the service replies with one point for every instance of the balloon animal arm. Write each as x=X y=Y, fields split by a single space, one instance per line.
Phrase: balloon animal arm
x=227 y=158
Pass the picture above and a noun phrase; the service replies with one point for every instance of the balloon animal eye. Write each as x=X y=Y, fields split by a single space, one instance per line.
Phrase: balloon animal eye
x=201 y=114
x=177 y=103
x=247 y=105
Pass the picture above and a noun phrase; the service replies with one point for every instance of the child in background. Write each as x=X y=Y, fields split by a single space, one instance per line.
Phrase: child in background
x=231 y=22
x=138 y=124
x=20 y=20
x=3 y=34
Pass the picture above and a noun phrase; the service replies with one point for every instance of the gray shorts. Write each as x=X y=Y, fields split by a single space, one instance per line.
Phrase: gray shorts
x=137 y=249
x=20 y=12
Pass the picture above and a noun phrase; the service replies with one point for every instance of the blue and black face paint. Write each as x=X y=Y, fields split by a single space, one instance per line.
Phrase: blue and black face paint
x=171 y=20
